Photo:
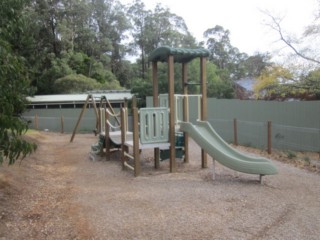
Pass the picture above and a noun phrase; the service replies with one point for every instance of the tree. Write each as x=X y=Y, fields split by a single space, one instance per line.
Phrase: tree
x=78 y=83
x=309 y=86
x=152 y=29
x=14 y=84
x=223 y=54
x=218 y=43
x=217 y=87
x=274 y=82
x=112 y=27
x=139 y=15
x=255 y=64
x=301 y=47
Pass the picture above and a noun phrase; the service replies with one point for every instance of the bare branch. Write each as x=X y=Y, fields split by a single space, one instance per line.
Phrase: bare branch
x=277 y=27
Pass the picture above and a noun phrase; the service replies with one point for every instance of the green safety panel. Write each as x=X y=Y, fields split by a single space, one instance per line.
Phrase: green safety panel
x=181 y=55
x=154 y=125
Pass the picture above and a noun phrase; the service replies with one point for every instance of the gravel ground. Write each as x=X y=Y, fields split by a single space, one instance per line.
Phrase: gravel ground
x=58 y=193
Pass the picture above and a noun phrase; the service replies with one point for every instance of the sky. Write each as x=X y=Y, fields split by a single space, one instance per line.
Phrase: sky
x=243 y=18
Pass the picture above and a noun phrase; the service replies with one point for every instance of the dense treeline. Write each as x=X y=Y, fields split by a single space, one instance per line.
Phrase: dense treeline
x=78 y=45
x=90 y=40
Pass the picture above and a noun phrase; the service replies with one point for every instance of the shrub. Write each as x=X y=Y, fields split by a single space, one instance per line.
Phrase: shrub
x=75 y=83
x=291 y=154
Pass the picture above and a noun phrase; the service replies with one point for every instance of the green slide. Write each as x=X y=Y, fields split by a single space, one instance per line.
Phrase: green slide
x=208 y=139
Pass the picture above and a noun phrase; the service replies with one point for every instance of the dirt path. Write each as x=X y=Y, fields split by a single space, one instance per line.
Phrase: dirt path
x=58 y=193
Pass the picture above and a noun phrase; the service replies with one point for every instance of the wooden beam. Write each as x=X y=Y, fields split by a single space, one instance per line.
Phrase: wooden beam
x=95 y=111
x=123 y=136
x=112 y=110
x=155 y=84
x=204 y=113
x=107 y=135
x=136 y=152
x=172 y=114
x=185 y=109
x=155 y=104
x=80 y=117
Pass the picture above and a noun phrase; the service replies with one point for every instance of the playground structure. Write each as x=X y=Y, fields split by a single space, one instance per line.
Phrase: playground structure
x=166 y=127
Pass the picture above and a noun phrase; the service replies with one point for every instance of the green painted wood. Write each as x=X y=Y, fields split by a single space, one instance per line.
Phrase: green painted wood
x=181 y=55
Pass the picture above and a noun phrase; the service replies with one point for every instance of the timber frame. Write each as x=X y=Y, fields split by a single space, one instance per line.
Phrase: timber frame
x=183 y=56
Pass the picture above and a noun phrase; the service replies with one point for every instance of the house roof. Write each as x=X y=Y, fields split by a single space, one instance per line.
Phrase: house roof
x=246 y=83
x=112 y=96
x=181 y=55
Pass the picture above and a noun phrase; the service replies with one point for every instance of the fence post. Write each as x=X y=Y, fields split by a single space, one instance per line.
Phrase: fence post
x=235 y=132
x=36 y=121
x=62 y=124
x=269 y=137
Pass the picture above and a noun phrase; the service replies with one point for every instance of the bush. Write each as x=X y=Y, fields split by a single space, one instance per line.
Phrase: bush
x=75 y=83
x=78 y=83
x=291 y=154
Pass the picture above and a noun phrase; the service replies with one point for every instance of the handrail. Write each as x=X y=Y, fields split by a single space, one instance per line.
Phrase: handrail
x=112 y=126
x=113 y=114
x=179 y=105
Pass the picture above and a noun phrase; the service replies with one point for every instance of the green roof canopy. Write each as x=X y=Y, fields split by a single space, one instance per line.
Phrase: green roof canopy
x=181 y=55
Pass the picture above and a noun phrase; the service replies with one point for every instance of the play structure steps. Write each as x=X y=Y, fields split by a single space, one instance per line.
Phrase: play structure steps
x=207 y=138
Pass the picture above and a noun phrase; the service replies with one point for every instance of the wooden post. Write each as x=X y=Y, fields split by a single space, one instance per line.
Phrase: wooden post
x=107 y=135
x=136 y=153
x=269 y=137
x=123 y=136
x=62 y=124
x=185 y=109
x=125 y=104
x=204 y=115
x=112 y=110
x=80 y=117
x=134 y=102
x=36 y=121
x=235 y=132
x=95 y=110
x=155 y=104
x=172 y=113
x=99 y=121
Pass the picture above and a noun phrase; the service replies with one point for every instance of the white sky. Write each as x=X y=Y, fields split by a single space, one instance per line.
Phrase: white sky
x=243 y=18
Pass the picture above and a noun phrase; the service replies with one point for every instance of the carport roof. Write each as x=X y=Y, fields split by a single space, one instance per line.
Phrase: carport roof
x=112 y=96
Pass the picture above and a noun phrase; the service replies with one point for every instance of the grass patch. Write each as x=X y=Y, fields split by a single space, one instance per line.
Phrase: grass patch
x=307 y=160
x=31 y=132
x=291 y=154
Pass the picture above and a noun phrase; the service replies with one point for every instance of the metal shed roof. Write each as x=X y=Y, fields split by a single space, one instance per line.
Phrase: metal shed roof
x=112 y=96
x=181 y=55
x=246 y=83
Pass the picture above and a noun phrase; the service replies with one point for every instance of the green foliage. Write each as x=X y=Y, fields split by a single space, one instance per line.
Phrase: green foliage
x=310 y=85
x=277 y=82
x=218 y=87
x=75 y=63
x=154 y=28
x=14 y=84
x=64 y=37
x=272 y=82
x=74 y=83
x=141 y=88
x=291 y=154
x=307 y=160
x=78 y=83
